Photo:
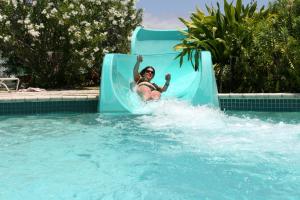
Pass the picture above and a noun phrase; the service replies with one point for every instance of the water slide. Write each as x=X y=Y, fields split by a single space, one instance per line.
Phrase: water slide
x=156 y=46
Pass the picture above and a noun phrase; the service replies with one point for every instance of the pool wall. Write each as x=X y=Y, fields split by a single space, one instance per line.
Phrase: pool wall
x=271 y=102
x=39 y=107
x=236 y=102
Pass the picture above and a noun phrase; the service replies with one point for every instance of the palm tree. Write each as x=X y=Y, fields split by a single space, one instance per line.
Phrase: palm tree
x=226 y=35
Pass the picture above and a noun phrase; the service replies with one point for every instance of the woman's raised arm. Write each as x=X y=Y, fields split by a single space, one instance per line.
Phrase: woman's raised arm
x=136 y=75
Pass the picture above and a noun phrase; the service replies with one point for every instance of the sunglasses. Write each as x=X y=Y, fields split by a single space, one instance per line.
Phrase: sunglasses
x=149 y=71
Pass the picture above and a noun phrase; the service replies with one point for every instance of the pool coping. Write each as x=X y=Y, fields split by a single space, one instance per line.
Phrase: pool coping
x=264 y=102
x=44 y=96
x=259 y=95
x=76 y=100
x=53 y=101
x=79 y=95
x=48 y=98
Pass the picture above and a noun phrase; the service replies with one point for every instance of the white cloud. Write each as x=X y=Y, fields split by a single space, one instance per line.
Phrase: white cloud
x=161 y=22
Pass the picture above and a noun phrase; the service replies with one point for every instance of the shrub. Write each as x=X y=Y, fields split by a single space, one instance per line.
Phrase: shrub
x=61 y=43
x=254 y=50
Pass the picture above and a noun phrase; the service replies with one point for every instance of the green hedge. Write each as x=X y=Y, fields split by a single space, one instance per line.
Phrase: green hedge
x=254 y=49
x=59 y=43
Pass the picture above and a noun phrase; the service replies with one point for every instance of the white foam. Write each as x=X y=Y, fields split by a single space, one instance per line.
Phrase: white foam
x=209 y=129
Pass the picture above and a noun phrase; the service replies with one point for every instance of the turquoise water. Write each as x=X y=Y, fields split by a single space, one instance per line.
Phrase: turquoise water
x=177 y=152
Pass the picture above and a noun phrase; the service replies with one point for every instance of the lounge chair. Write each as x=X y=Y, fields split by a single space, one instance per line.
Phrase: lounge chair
x=2 y=80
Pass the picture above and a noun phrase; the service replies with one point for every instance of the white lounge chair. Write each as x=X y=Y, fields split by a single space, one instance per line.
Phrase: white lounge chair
x=2 y=80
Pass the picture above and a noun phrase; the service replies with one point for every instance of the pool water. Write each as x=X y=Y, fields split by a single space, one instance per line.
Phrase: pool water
x=176 y=152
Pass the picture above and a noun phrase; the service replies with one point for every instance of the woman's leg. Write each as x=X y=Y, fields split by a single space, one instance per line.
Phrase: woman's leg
x=155 y=95
x=144 y=92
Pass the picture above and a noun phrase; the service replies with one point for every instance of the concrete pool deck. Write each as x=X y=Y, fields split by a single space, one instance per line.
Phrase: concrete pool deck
x=92 y=93
x=50 y=95
x=50 y=101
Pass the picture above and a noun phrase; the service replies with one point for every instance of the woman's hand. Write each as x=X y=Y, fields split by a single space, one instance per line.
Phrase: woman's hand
x=139 y=58
x=168 y=77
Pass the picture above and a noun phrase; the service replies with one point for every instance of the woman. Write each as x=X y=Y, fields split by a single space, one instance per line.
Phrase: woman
x=146 y=89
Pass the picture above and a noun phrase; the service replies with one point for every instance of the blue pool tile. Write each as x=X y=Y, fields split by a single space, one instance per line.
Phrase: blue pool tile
x=48 y=107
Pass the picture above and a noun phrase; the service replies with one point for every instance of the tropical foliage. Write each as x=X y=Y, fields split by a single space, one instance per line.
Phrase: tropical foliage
x=61 y=43
x=254 y=49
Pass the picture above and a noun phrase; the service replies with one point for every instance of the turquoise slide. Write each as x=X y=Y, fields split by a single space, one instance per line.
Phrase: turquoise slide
x=156 y=46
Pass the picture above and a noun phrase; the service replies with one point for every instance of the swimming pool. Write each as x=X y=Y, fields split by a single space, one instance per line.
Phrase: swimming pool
x=177 y=152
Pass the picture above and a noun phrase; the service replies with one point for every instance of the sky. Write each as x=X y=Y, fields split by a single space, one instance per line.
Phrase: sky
x=163 y=14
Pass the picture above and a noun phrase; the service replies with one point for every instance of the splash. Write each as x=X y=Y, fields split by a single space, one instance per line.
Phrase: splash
x=203 y=128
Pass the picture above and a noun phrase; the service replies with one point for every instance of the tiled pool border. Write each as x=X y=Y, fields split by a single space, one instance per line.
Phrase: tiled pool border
x=89 y=104
x=39 y=107
x=265 y=102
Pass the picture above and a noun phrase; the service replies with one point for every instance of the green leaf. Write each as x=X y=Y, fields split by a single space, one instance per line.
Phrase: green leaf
x=227 y=10
x=186 y=23
x=180 y=46
x=196 y=60
x=252 y=9
x=238 y=9
x=209 y=10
